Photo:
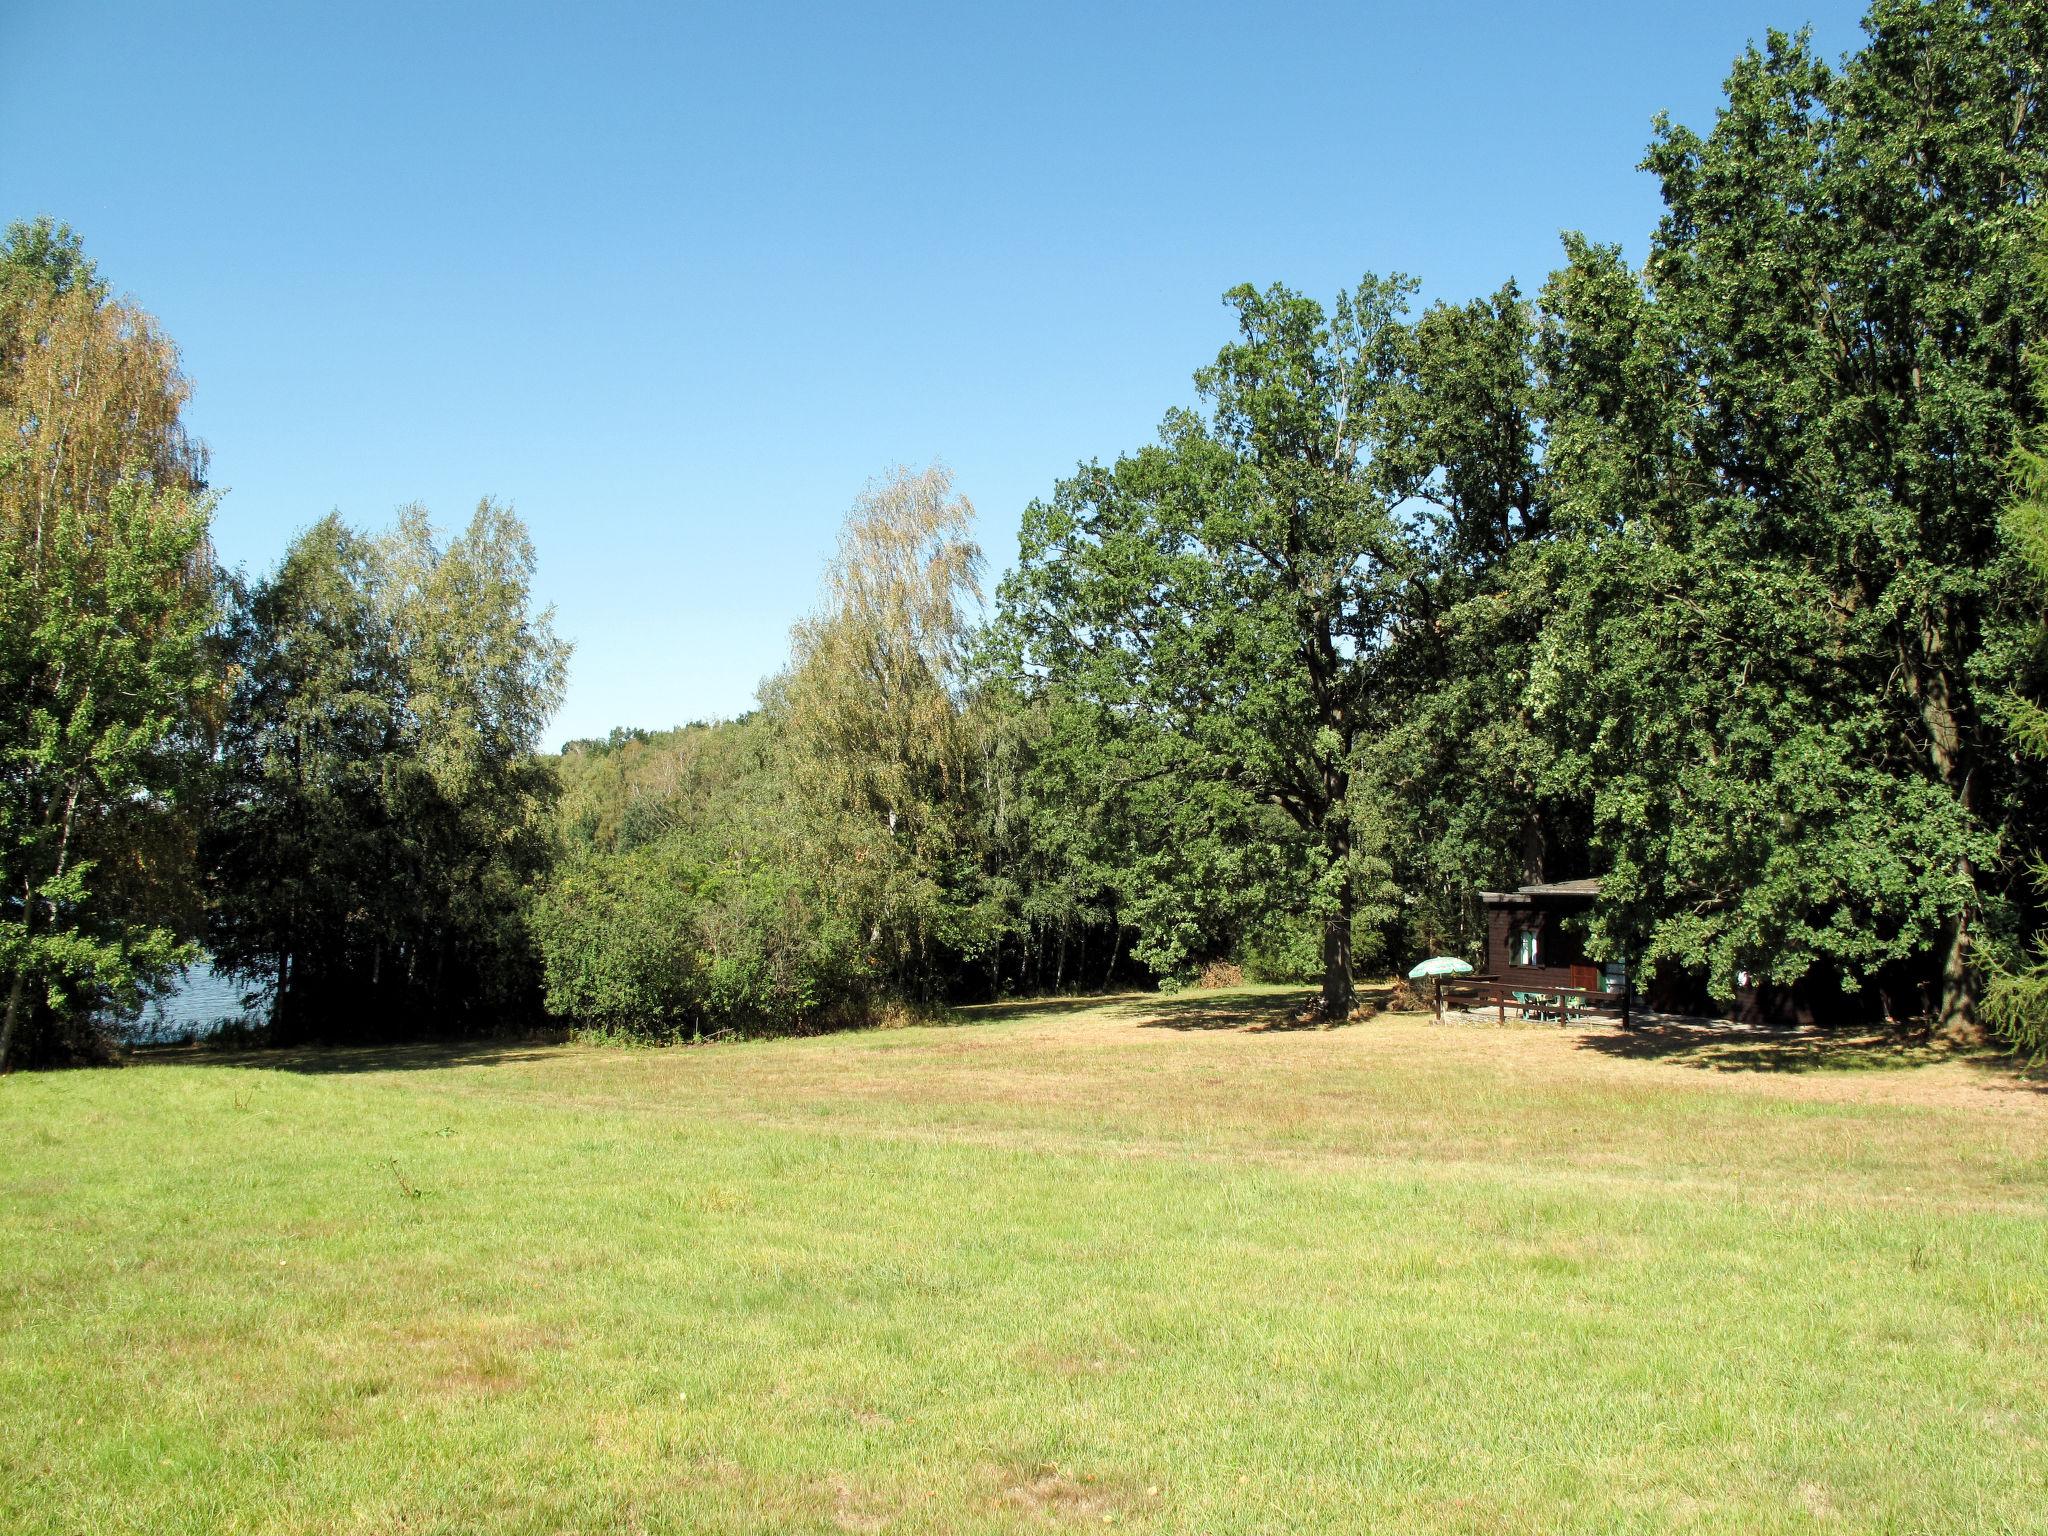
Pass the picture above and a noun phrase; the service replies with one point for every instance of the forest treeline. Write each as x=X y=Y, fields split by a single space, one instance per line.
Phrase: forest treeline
x=1720 y=577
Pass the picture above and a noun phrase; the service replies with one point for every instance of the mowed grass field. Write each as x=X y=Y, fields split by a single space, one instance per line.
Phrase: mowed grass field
x=1154 y=1264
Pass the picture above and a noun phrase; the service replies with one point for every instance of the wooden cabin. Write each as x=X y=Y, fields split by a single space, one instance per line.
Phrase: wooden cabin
x=1535 y=941
x=1535 y=938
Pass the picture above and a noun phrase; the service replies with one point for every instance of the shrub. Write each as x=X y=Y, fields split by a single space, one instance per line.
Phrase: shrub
x=647 y=943
x=1283 y=947
x=2016 y=1008
x=1289 y=947
x=617 y=935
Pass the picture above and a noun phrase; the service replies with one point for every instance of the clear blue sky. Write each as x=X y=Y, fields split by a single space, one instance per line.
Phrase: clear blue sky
x=677 y=280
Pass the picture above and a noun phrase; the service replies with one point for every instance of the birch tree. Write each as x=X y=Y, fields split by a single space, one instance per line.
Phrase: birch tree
x=879 y=741
x=106 y=675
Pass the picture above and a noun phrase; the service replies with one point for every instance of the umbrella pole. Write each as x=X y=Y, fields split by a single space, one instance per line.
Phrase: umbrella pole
x=1439 y=998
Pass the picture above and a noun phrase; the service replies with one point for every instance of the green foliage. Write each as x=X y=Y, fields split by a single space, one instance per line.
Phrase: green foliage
x=1777 y=459
x=380 y=816
x=42 y=254
x=104 y=673
x=1209 y=613
x=637 y=786
x=619 y=943
x=106 y=676
x=696 y=912
x=2016 y=1003
x=1048 y=865
x=2016 y=1007
x=1281 y=946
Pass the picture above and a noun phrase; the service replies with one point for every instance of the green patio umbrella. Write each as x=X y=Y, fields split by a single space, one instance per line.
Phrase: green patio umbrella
x=1436 y=968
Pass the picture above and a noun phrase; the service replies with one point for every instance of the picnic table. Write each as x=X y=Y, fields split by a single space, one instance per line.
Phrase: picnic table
x=1555 y=1004
x=1550 y=1005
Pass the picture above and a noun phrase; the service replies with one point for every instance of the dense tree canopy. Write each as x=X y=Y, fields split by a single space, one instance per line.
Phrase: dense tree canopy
x=380 y=815
x=1458 y=788
x=1718 y=578
x=105 y=672
x=1778 y=454
x=2017 y=1002
x=1214 y=608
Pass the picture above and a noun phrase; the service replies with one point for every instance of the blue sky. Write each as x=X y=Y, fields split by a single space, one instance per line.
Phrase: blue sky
x=677 y=280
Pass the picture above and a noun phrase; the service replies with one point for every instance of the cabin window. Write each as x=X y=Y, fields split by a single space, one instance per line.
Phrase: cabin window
x=1522 y=946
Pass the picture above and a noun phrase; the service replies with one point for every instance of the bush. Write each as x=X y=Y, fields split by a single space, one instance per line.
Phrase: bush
x=618 y=942
x=1283 y=947
x=2016 y=1008
x=647 y=944
x=776 y=959
x=73 y=1038
x=1289 y=947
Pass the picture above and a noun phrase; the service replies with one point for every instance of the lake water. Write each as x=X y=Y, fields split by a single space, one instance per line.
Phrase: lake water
x=199 y=1004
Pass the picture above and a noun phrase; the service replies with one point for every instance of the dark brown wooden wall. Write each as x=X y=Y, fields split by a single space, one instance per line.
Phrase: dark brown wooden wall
x=1557 y=949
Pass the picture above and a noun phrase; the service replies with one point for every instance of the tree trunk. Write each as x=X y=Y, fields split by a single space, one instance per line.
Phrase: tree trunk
x=1944 y=710
x=1532 y=849
x=15 y=992
x=282 y=1013
x=1955 y=1017
x=1336 y=1000
x=18 y=988
x=1335 y=1004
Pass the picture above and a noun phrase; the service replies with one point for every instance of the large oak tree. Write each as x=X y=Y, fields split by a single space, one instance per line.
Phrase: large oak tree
x=1778 y=454
x=1212 y=609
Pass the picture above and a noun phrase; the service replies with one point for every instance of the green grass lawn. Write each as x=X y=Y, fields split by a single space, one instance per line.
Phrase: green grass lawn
x=1145 y=1264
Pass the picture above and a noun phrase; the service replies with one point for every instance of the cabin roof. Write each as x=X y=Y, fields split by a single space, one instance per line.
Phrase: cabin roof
x=1584 y=890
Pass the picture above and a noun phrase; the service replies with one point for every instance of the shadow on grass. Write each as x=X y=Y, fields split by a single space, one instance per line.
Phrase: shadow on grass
x=1018 y=1007
x=1718 y=1047
x=1265 y=1012
x=2010 y=1071
x=322 y=1060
